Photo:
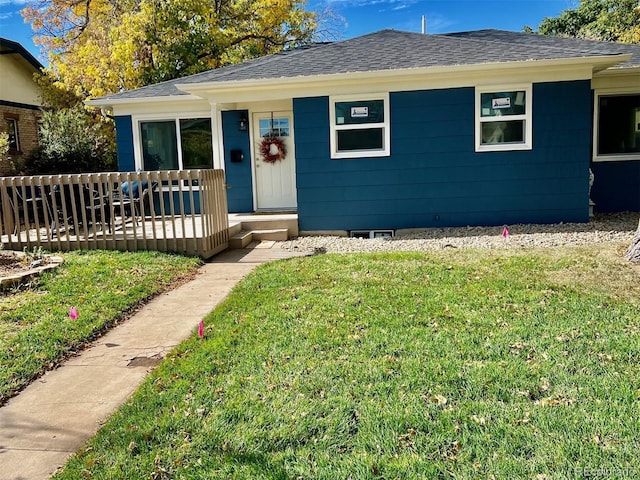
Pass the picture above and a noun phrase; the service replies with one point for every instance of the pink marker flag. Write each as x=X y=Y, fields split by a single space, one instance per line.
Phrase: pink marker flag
x=505 y=232
x=201 y=329
x=73 y=313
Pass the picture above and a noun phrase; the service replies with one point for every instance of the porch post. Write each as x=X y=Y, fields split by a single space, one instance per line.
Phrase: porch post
x=216 y=136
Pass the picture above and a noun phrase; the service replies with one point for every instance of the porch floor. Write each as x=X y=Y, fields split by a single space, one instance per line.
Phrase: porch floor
x=178 y=229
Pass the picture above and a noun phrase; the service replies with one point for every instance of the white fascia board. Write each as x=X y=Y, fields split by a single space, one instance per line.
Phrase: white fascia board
x=617 y=78
x=619 y=71
x=109 y=103
x=174 y=106
x=533 y=71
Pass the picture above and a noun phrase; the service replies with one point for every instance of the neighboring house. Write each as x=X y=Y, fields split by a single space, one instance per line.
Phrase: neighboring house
x=399 y=130
x=20 y=100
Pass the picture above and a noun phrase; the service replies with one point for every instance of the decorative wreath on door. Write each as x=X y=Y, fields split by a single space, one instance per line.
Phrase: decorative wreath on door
x=272 y=148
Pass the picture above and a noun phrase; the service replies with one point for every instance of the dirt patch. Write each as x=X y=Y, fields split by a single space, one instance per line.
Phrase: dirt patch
x=602 y=268
x=10 y=264
x=16 y=267
x=145 y=361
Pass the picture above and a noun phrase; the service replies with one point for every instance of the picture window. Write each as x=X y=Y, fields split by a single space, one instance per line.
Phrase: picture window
x=617 y=127
x=161 y=138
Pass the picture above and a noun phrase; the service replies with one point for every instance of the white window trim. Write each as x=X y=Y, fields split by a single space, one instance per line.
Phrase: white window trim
x=334 y=128
x=608 y=92
x=137 y=133
x=527 y=117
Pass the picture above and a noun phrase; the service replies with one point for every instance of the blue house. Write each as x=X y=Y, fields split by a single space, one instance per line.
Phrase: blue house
x=396 y=130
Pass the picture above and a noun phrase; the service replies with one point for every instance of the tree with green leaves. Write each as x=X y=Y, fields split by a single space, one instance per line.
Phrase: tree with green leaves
x=610 y=20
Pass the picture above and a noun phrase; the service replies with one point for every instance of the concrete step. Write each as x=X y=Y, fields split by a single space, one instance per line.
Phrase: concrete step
x=240 y=239
x=234 y=228
x=265 y=223
x=276 y=234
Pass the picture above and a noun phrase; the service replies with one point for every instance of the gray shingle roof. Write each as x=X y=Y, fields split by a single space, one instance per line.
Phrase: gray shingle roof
x=593 y=47
x=395 y=50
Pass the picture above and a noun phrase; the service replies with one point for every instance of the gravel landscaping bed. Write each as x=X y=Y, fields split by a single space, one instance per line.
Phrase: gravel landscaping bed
x=603 y=228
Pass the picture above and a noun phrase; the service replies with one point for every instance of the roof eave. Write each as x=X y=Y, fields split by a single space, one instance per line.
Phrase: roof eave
x=621 y=70
x=18 y=49
x=597 y=63
x=227 y=89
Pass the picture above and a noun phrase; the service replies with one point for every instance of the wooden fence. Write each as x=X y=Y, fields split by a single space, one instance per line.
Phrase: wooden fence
x=169 y=211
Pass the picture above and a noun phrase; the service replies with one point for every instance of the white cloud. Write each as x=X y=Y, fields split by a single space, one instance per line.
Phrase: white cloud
x=367 y=3
x=13 y=2
x=400 y=7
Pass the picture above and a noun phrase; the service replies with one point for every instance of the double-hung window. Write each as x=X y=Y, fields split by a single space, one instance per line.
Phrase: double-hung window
x=12 y=131
x=360 y=126
x=617 y=126
x=177 y=144
x=503 y=118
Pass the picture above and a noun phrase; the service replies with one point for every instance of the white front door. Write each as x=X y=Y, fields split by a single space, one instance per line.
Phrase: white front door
x=274 y=161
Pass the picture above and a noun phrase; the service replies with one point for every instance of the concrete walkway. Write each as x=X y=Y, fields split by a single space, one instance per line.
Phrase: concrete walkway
x=53 y=417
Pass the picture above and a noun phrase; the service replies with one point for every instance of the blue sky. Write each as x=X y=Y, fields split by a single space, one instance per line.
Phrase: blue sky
x=365 y=16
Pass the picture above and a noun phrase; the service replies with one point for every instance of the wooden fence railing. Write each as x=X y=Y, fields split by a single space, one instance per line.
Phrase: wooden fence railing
x=170 y=211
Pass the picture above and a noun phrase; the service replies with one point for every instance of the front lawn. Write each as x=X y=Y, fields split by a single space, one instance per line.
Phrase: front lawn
x=459 y=364
x=36 y=332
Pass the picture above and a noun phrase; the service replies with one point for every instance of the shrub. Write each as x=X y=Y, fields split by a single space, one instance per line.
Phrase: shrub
x=71 y=141
x=5 y=161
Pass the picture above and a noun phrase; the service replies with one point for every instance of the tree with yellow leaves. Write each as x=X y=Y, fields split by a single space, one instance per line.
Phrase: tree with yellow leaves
x=97 y=47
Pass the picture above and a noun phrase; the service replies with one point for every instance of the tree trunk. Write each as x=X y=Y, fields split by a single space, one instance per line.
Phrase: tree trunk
x=633 y=252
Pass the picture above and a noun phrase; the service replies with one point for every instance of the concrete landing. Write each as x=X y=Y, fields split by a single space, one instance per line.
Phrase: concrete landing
x=54 y=416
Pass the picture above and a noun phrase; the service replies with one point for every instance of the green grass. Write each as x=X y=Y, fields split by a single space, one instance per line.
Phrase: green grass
x=35 y=329
x=466 y=364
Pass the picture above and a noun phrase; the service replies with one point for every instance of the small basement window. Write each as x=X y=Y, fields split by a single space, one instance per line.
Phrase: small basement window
x=371 y=233
x=360 y=126
x=503 y=118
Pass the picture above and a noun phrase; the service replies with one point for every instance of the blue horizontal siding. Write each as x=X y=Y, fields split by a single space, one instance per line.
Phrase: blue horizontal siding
x=124 y=143
x=435 y=178
x=237 y=175
x=616 y=186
